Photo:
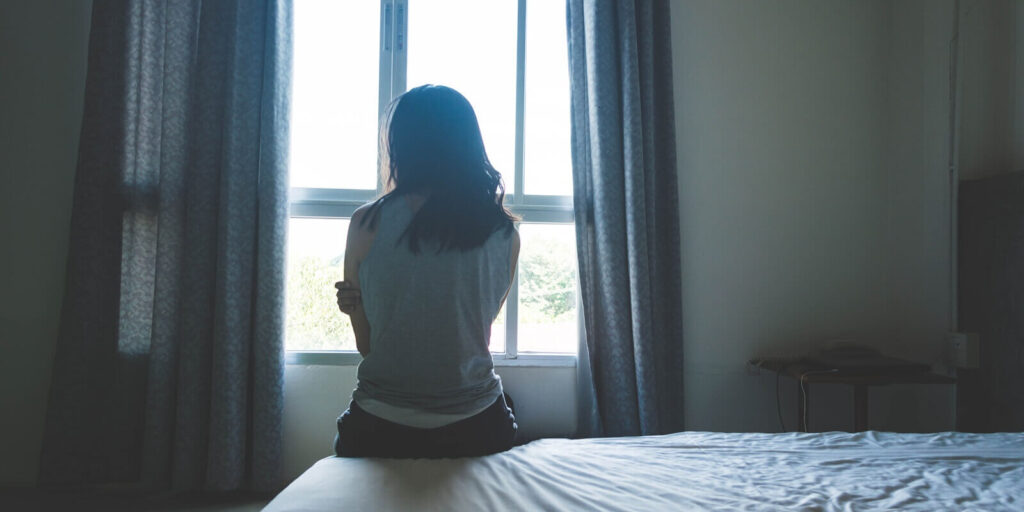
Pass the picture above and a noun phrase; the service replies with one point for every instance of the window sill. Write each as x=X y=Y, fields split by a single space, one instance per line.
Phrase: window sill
x=340 y=358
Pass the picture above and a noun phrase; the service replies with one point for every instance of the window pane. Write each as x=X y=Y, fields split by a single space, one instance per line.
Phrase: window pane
x=470 y=46
x=334 y=94
x=498 y=333
x=547 y=288
x=316 y=252
x=547 y=166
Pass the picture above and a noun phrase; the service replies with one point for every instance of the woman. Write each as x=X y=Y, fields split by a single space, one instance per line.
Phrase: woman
x=427 y=268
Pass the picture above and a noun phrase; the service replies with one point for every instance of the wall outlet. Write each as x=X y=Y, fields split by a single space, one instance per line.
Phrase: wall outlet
x=963 y=349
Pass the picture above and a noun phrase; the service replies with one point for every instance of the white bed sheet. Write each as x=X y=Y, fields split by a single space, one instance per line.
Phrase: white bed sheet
x=687 y=471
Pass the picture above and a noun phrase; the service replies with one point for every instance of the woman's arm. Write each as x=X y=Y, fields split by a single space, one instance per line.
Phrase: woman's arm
x=513 y=259
x=360 y=239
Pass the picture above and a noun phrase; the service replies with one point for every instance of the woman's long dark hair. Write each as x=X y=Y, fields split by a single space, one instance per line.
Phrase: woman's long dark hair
x=431 y=143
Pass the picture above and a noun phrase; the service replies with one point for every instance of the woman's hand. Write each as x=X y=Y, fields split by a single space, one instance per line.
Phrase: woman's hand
x=349 y=297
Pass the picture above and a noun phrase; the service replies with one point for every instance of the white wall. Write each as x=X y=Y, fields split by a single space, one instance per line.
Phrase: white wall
x=918 y=186
x=42 y=79
x=918 y=222
x=792 y=197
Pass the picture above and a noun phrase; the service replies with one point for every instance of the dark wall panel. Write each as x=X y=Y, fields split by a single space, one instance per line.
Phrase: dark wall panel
x=991 y=299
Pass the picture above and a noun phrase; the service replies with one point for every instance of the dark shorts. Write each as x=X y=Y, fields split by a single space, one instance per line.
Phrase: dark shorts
x=361 y=434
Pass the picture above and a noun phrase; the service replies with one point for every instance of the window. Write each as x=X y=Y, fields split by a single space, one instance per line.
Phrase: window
x=509 y=58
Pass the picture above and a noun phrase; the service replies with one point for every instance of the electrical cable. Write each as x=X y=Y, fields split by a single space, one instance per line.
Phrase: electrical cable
x=778 y=399
x=803 y=391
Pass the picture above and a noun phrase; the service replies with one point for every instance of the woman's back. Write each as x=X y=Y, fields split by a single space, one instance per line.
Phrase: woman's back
x=427 y=386
x=430 y=315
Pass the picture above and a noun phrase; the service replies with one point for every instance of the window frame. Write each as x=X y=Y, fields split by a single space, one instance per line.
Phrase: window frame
x=331 y=203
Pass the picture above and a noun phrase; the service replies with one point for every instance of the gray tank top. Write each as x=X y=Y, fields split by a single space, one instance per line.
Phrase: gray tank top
x=430 y=317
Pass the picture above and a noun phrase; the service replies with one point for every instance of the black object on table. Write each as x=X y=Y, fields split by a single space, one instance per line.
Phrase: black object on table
x=859 y=372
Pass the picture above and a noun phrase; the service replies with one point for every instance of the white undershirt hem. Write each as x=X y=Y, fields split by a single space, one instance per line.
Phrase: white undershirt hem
x=415 y=418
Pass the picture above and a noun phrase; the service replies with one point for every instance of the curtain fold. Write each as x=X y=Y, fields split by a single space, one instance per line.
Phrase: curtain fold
x=169 y=362
x=627 y=224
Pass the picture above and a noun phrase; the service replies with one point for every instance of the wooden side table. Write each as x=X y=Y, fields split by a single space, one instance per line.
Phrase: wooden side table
x=860 y=378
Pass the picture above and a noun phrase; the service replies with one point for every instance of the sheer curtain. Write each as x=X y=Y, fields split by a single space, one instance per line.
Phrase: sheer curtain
x=627 y=216
x=169 y=362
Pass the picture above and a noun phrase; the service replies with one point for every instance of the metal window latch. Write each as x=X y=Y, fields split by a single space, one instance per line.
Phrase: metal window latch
x=400 y=35
x=387 y=27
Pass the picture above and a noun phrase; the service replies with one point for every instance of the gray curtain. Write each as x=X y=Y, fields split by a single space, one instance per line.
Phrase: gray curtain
x=169 y=363
x=627 y=216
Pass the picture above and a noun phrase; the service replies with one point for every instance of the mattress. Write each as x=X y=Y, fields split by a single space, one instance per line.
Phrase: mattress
x=687 y=471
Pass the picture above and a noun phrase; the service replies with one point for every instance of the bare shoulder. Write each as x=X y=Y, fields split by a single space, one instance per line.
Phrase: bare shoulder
x=360 y=214
x=360 y=232
x=514 y=246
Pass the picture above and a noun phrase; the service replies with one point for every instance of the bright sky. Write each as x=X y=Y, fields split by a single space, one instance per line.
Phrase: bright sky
x=466 y=44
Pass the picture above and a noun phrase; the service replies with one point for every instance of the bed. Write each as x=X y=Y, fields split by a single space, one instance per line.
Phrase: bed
x=687 y=471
